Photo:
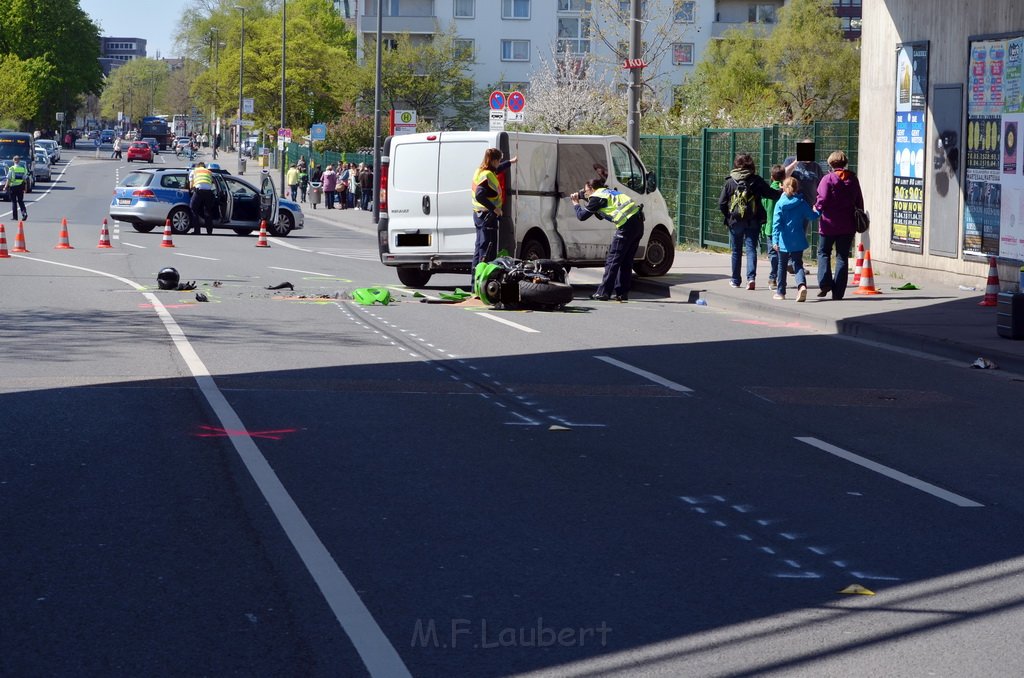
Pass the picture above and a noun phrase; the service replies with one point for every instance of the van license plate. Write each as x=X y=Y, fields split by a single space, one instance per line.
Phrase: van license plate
x=124 y=201
x=413 y=240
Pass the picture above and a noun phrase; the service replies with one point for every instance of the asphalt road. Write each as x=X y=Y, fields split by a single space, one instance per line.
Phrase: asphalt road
x=283 y=483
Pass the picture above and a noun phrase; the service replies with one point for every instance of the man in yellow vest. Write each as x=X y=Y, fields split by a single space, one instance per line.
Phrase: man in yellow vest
x=204 y=201
x=17 y=175
x=628 y=218
x=487 y=203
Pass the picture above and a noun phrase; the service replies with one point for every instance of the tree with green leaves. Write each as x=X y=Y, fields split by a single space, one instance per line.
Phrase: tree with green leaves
x=21 y=88
x=137 y=89
x=60 y=34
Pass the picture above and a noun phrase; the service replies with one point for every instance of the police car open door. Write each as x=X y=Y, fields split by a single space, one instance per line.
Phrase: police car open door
x=268 y=199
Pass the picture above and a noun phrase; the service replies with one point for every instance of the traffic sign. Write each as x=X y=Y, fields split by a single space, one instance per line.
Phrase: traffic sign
x=497 y=121
x=497 y=100
x=630 y=64
x=285 y=132
x=244 y=123
x=516 y=102
x=318 y=132
x=515 y=117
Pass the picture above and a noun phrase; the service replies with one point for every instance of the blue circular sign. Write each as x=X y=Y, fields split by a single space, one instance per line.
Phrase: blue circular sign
x=516 y=102
x=497 y=100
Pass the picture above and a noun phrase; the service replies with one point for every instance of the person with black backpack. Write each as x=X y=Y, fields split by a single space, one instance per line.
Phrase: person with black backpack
x=744 y=215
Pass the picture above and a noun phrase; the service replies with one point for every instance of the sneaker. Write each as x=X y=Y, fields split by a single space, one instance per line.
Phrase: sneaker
x=620 y=298
x=599 y=297
x=750 y=285
x=779 y=297
x=733 y=284
x=24 y=216
x=772 y=283
x=802 y=294
x=823 y=291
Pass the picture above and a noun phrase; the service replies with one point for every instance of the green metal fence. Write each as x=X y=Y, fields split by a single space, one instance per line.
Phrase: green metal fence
x=692 y=169
x=296 y=151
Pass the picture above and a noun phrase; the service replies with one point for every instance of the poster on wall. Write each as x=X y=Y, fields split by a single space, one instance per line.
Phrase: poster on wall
x=908 y=154
x=994 y=172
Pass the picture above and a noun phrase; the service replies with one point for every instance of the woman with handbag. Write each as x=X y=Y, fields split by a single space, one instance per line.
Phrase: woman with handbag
x=839 y=195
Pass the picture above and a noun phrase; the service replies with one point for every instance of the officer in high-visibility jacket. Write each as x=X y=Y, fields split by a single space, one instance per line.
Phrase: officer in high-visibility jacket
x=487 y=204
x=204 y=201
x=17 y=176
x=628 y=218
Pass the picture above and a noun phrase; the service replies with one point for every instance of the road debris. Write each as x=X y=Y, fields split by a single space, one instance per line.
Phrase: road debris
x=201 y=297
x=984 y=364
x=282 y=286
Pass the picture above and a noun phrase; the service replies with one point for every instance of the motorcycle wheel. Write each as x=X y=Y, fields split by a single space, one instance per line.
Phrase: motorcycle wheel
x=545 y=294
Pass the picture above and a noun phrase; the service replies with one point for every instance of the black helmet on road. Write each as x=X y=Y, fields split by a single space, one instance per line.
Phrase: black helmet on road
x=167 y=278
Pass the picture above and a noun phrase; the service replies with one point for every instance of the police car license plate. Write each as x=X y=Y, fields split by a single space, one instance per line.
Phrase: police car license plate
x=124 y=201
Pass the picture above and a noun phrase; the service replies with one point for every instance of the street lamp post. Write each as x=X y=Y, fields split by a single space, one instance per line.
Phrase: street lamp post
x=284 y=150
x=241 y=69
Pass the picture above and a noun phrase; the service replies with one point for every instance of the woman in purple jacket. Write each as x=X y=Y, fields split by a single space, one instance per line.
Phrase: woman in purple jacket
x=838 y=195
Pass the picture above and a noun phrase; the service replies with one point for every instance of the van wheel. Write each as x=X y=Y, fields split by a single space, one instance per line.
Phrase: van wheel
x=545 y=294
x=413 y=277
x=533 y=249
x=658 y=257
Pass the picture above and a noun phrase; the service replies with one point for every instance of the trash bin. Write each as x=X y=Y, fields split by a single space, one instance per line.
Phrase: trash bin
x=264 y=161
x=1010 y=315
x=316 y=192
x=241 y=165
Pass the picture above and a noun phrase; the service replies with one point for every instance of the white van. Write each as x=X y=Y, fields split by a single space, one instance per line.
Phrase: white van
x=426 y=217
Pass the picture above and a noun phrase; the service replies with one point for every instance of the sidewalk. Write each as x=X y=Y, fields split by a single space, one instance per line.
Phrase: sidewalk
x=939 y=319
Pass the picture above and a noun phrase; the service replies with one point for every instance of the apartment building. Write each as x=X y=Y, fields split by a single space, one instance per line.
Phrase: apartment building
x=511 y=39
x=116 y=51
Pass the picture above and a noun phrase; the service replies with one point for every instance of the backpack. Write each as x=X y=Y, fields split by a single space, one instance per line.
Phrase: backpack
x=742 y=203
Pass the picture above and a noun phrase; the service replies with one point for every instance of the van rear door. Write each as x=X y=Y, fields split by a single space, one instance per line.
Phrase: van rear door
x=458 y=161
x=412 y=196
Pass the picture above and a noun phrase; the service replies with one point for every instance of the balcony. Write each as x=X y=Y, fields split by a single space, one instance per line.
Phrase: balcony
x=401 y=16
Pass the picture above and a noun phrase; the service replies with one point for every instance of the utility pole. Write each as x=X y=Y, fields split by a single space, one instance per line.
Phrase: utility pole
x=376 y=117
x=241 y=70
x=635 y=45
x=284 y=148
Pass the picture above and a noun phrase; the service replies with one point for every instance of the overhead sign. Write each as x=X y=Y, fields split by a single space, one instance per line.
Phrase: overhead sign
x=318 y=131
x=497 y=100
x=244 y=123
x=498 y=121
x=516 y=102
x=630 y=64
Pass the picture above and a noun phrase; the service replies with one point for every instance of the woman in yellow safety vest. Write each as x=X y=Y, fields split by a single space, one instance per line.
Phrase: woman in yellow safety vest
x=628 y=218
x=487 y=204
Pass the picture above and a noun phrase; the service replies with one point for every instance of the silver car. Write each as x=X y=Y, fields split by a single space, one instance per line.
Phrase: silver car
x=52 y=149
x=41 y=166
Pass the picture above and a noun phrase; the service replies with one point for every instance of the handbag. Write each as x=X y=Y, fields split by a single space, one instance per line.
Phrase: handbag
x=861 y=220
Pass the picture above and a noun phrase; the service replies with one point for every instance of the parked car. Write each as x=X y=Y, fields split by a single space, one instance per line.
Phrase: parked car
x=182 y=142
x=140 y=150
x=107 y=136
x=4 y=166
x=146 y=198
x=153 y=143
x=52 y=149
x=41 y=166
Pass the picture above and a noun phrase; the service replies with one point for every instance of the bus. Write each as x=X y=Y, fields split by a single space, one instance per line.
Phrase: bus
x=156 y=126
x=21 y=144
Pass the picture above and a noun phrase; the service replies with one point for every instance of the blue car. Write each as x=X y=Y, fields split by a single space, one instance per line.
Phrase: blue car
x=147 y=198
x=107 y=136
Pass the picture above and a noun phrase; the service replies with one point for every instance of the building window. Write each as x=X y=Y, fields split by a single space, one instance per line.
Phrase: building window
x=761 y=14
x=573 y=35
x=465 y=9
x=682 y=53
x=573 y=5
x=622 y=49
x=515 y=50
x=515 y=9
x=464 y=48
x=686 y=14
x=626 y=9
x=514 y=86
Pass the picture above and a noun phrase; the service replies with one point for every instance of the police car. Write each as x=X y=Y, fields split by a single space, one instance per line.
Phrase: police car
x=147 y=198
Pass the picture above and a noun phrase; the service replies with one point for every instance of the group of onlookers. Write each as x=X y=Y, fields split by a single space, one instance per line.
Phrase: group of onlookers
x=799 y=196
x=347 y=186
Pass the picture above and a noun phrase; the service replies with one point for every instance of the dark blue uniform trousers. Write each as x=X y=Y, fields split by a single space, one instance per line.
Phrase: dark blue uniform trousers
x=618 y=267
x=486 y=238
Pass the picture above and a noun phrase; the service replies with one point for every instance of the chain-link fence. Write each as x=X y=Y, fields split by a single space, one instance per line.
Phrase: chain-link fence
x=692 y=169
x=296 y=151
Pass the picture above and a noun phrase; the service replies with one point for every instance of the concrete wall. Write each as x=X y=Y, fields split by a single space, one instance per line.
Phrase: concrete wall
x=947 y=25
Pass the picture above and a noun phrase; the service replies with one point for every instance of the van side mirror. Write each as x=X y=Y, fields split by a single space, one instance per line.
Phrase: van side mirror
x=650 y=182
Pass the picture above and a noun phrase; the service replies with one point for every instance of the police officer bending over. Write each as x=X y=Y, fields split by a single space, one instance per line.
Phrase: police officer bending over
x=204 y=202
x=17 y=175
x=628 y=218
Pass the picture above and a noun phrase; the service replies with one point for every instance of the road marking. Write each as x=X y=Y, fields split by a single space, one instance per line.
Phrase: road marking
x=495 y=318
x=128 y=244
x=53 y=182
x=282 y=243
x=650 y=376
x=892 y=473
x=376 y=651
x=194 y=256
x=297 y=270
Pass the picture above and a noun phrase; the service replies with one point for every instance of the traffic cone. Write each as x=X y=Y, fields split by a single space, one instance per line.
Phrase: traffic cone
x=991 y=285
x=64 y=243
x=4 y=254
x=19 y=239
x=262 y=240
x=858 y=264
x=104 y=237
x=867 y=277
x=167 y=242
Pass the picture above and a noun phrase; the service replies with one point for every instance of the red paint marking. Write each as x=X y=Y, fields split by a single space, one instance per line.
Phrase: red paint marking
x=765 y=323
x=215 y=432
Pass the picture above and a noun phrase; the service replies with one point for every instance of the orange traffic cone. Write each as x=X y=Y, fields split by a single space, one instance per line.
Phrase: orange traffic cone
x=4 y=254
x=262 y=240
x=867 y=277
x=64 y=243
x=104 y=237
x=991 y=285
x=858 y=264
x=19 y=239
x=167 y=242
